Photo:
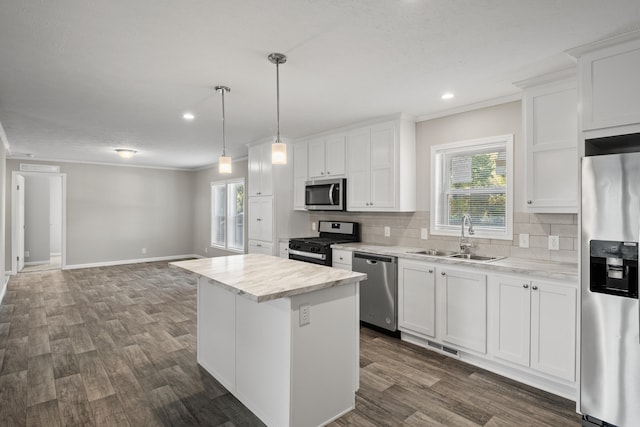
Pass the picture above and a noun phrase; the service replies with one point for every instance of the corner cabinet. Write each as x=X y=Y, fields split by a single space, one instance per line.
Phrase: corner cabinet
x=550 y=121
x=381 y=168
x=533 y=324
x=270 y=202
x=417 y=297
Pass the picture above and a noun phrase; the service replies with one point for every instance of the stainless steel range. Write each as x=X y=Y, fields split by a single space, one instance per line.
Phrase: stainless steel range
x=317 y=250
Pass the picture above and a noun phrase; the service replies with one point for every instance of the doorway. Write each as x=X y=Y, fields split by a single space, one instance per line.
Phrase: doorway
x=38 y=221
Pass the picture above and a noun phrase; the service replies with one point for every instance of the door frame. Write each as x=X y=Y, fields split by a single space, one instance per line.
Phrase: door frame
x=14 y=215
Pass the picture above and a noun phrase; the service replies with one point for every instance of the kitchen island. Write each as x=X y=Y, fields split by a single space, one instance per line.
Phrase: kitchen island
x=281 y=335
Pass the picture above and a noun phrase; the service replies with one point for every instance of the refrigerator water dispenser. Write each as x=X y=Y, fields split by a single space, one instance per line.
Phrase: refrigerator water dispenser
x=614 y=268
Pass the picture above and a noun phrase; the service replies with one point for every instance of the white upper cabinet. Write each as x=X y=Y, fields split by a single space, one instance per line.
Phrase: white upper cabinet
x=300 y=173
x=381 y=173
x=609 y=82
x=550 y=117
x=260 y=170
x=327 y=157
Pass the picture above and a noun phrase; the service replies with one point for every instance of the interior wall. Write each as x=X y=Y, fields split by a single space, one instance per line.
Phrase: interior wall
x=3 y=191
x=55 y=214
x=113 y=212
x=202 y=207
x=37 y=219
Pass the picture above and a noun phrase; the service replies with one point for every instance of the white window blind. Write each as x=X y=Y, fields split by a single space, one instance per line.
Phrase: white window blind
x=227 y=215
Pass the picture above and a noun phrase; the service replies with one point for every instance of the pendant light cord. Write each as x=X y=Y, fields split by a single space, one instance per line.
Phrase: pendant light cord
x=224 y=136
x=278 y=99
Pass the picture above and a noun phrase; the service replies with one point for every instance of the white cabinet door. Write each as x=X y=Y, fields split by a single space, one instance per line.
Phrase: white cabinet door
x=553 y=329
x=416 y=297
x=509 y=318
x=261 y=218
x=464 y=303
x=260 y=247
x=359 y=167
x=260 y=173
x=551 y=127
x=316 y=159
x=335 y=155
x=609 y=86
x=382 y=166
x=300 y=173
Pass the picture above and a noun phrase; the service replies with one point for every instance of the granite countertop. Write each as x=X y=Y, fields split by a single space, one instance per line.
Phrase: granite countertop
x=263 y=277
x=549 y=269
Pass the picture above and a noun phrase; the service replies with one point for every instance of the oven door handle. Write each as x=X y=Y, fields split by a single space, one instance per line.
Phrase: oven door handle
x=331 y=194
x=308 y=254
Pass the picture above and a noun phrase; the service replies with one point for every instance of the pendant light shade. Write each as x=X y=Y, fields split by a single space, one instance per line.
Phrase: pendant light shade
x=278 y=148
x=224 y=161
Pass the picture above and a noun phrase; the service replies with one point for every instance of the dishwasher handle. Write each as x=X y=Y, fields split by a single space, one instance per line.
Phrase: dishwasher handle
x=373 y=259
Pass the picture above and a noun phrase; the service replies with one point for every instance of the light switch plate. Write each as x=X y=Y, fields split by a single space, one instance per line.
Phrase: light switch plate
x=313 y=226
x=424 y=233
x=387 y=231
x=554 y=243
x=524 y=241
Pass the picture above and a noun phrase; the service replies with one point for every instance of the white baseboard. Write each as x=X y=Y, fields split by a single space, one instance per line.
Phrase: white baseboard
x=3 y=285
x=129 y=261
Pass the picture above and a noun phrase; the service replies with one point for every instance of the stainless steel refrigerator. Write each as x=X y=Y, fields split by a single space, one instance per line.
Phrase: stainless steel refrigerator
x=610 y=333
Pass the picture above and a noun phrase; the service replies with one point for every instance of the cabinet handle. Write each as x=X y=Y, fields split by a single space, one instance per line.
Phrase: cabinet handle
x=430 y=270
x=258 y=219
x=534 y=287
x=443 y=273
x=525 y=286
x=321 y=173
x=341 y=258
x=529 y=202
x=371 y=204
x=258 y=193
x=328 y=173
x=259 y=245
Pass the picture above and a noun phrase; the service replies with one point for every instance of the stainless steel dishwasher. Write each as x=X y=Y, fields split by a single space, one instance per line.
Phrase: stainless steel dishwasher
x=379 y=293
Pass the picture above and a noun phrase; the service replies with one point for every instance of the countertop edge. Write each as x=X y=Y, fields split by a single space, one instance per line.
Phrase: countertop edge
x=501 y=265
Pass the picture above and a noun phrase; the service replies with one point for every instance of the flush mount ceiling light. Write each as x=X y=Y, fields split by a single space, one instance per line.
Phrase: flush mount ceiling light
x=447 y=95
x=224 y=162
x=278 y=148
x=188 y=116
x=125 y=153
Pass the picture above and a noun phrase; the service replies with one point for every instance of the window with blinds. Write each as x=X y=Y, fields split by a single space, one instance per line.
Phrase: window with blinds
x=475 y=178
x=227 y=214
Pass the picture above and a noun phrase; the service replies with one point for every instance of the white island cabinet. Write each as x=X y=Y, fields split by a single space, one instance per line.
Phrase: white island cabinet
x=280 y=335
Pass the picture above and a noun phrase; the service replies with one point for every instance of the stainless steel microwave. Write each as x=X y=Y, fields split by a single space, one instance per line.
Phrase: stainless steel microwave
x=325 y=195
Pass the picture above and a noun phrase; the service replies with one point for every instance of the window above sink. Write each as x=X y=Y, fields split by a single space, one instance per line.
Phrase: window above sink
x=473 y=177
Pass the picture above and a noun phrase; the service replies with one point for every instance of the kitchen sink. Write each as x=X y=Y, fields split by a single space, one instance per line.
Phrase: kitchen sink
x=433 y=252
x=473 y=257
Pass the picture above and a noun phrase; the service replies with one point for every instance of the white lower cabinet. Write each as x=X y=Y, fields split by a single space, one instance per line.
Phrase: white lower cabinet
x=533 y=324
x=284 y=250
x=342 y=259
x=260 y=247
x=417 y=297
x=463 y=299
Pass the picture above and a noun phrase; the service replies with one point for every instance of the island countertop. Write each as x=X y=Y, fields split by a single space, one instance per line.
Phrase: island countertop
x=263 y=277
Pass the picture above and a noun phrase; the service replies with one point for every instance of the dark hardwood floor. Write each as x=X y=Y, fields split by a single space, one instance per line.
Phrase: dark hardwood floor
x=115 y=346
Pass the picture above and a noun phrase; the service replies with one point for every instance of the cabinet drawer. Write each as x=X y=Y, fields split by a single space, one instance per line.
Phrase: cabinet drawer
x=341 y=256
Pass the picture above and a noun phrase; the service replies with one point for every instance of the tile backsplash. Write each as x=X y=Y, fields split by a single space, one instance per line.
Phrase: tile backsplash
x=405 y=231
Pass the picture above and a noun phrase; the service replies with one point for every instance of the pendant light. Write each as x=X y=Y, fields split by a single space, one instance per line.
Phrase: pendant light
x=278 y=148
x=224 y=162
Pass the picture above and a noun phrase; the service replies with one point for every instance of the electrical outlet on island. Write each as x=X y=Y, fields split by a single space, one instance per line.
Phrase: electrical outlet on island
x=554 y=243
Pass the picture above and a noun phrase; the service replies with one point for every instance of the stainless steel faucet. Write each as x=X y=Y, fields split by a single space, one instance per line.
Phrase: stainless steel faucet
x=466 y=244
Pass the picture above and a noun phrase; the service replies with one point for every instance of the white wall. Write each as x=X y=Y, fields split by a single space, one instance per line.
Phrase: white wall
x=113 y=212
x=37 y=219
x=55 y=214
x=202 y=206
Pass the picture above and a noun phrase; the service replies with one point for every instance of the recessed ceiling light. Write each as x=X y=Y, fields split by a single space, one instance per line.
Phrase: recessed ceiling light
x=125 y=153
x=447 y=95
x=188 y=116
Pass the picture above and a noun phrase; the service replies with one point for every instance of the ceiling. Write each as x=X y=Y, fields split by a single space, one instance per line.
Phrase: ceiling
x=80 y=78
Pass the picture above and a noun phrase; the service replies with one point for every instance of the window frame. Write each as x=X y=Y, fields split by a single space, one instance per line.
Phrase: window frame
x=227 y=183
x=439 y=180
